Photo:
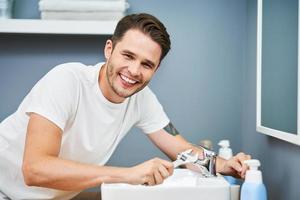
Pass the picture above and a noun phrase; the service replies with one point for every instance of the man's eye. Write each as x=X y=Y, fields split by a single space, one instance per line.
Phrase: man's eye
x=128 y=56
x=147 y=66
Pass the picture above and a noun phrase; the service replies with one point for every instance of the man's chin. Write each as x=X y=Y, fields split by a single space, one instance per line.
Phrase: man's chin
x=125 y=94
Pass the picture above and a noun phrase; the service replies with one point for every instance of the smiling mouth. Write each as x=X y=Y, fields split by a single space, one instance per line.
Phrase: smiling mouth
x=128 y=80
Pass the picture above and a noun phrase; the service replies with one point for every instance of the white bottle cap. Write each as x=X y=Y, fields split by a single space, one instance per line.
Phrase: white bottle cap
x=253 y=164
x=225 y=152
x=224 y=143
x=253 y=174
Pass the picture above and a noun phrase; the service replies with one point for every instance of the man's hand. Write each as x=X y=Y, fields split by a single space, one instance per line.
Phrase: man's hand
x=172 y=145
x=151 y=172
x=234 y=167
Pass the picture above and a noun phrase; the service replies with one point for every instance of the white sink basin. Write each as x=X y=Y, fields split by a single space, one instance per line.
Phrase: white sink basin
x=182 y=185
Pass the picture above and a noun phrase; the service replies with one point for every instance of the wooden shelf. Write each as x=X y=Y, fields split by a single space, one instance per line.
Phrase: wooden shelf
x=71 y=27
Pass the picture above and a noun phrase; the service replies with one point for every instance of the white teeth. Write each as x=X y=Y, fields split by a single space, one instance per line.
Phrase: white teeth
x=128 y=80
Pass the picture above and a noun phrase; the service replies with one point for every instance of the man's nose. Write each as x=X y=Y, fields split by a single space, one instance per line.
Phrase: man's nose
x=134 y=69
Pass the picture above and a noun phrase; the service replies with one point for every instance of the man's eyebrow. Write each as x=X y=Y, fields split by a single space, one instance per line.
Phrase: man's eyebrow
x=128 y=52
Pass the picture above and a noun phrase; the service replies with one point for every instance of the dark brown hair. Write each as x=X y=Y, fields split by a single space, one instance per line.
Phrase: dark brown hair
x=149 y=25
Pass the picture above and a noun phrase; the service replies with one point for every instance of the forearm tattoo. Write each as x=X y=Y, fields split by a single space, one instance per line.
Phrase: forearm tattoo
x=171 y=129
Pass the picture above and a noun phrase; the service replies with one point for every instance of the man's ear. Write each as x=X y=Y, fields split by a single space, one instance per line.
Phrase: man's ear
x=108 y=49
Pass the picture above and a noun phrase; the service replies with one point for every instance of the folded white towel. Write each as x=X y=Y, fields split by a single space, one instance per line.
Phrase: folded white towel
x=87 y=0
x=68 y=15
x=82 y=5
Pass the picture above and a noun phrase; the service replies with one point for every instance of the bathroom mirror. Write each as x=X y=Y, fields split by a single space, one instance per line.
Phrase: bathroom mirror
x=277 y=69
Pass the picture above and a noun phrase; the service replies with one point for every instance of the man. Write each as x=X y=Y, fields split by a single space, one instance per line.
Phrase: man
x=58 y=141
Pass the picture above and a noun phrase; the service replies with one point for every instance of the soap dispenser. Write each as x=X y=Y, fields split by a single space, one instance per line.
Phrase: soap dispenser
x=253 y=187
x=225 y=152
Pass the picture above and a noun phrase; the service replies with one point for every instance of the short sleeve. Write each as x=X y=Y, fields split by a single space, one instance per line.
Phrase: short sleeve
x=152 y=116
x=55 y=96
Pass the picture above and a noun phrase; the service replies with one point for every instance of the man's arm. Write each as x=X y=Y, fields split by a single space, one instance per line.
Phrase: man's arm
x=42 y=167
x=171 y=143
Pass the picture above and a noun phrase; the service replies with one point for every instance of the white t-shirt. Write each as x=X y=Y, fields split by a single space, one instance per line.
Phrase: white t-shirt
x=69 y=96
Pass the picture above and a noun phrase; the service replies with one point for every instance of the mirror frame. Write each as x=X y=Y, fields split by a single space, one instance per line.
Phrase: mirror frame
x=289 y=137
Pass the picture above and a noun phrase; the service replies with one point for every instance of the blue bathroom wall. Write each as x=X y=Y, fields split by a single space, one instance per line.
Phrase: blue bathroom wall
x=199 y=82
x=207 y=83
x=280 y=160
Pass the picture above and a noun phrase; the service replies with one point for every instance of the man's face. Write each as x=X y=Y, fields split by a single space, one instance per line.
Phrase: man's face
x=130 y=64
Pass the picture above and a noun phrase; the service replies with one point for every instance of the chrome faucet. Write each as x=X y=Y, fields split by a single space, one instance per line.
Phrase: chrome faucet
x=206 y=165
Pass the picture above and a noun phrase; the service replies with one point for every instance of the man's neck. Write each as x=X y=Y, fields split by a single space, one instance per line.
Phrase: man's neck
x=105 y=87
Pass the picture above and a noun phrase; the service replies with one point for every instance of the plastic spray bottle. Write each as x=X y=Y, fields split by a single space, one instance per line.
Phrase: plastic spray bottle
x=226 y=153
x=253 y=187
